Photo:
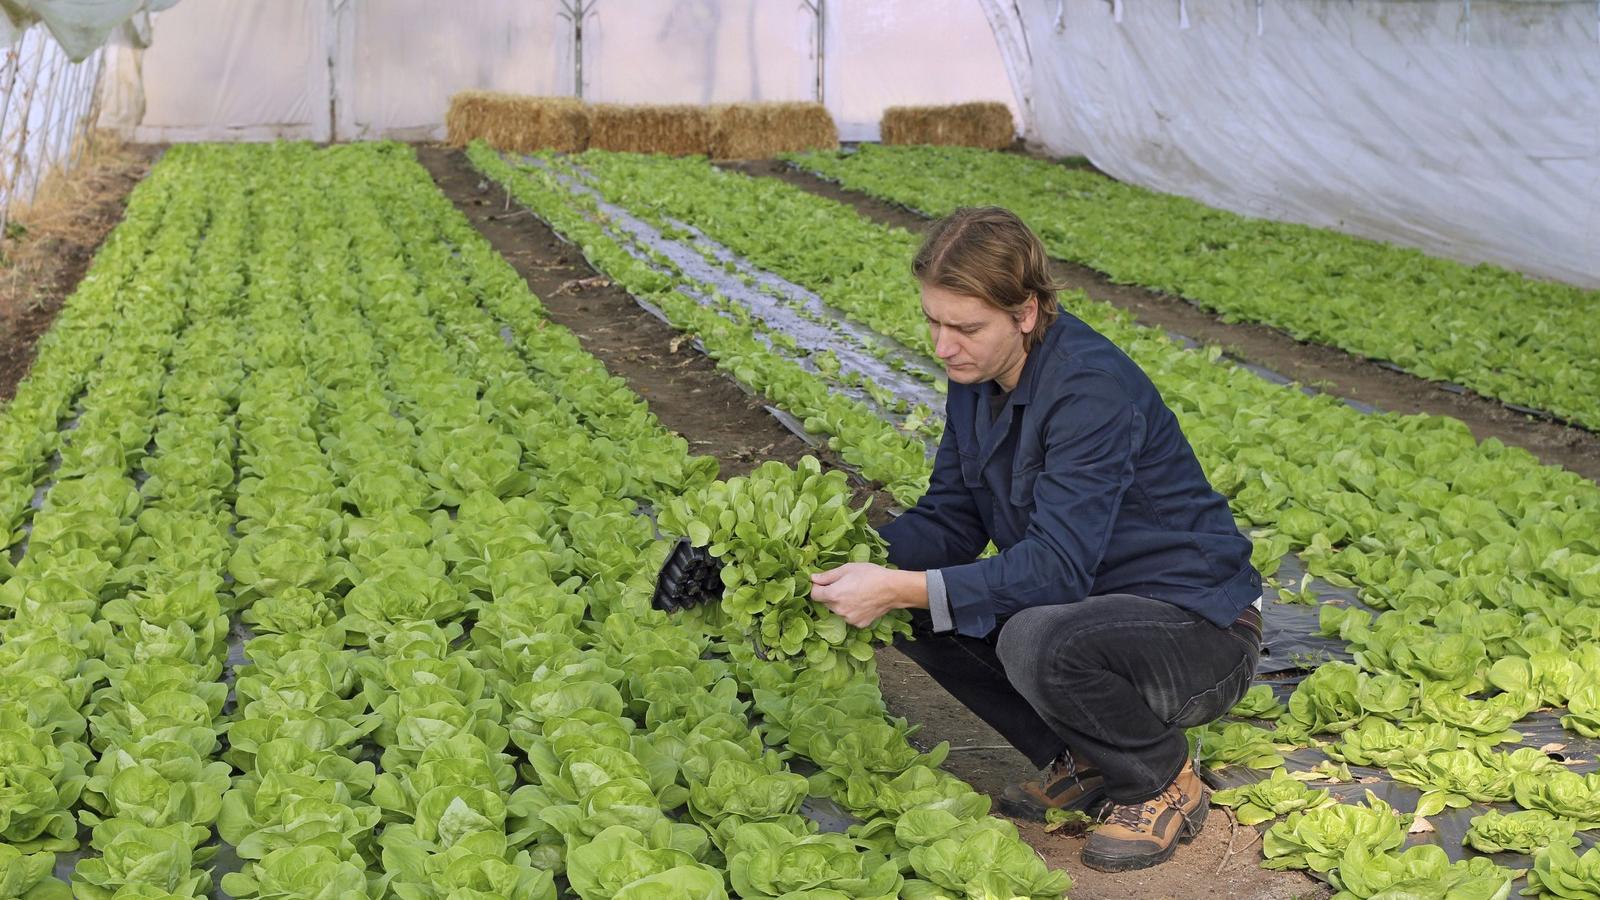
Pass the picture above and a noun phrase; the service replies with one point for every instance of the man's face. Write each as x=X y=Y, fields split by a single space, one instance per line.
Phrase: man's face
x=975 y=341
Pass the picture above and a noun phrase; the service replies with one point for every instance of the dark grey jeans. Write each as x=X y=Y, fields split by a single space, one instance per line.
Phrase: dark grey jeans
x=1116 y=677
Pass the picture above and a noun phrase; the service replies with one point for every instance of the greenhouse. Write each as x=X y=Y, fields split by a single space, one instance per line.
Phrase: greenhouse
x=734 y=449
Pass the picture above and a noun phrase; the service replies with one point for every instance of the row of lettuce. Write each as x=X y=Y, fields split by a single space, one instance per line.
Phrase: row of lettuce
x=114 y=630
x=1498 y=332
x=1482 y=561
x=425 y=510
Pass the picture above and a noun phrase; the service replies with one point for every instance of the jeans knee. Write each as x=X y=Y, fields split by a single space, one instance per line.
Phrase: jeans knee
x=1020 y=647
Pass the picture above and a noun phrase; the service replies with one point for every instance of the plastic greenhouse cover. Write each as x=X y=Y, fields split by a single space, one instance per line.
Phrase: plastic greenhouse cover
x=1463 y=128
x=79 y=25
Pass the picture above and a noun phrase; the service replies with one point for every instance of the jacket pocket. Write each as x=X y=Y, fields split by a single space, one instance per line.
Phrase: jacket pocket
x=971 y=473
x=1022 y=482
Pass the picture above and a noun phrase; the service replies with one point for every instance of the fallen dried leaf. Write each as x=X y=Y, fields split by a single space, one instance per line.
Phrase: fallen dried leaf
x=1552 y=748
x=1420 y=825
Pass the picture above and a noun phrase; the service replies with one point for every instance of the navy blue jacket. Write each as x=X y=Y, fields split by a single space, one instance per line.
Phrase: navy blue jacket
x=1085 y=484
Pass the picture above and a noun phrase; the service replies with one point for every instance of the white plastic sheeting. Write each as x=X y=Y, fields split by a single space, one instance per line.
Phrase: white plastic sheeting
x=903 y=52
x=46 y=104
x=54 y=59
x=1469 y=129
x=79 y=26
x=700 y=51
x=400 y=60
x=239 y=70
x=345 y=69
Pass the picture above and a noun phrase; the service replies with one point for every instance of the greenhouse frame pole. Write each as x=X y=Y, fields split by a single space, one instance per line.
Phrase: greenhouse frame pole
x=92 y=114
x=58 y=74
x=13 y=65
x=575 y=11
x=13 y=70
x=818 y=8
x=14 y=175
x=80 y=109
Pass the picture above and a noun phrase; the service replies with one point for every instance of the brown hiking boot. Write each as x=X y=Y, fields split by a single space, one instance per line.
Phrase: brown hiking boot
x=1138 y=835
x=1068 y=783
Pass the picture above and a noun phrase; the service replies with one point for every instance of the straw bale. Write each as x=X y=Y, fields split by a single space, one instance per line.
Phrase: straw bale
x=764 y=130
x=673 y=130
x=517 y=123
x=987 y=125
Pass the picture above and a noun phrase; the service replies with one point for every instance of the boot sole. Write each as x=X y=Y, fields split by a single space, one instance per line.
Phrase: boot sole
x=1188 y=831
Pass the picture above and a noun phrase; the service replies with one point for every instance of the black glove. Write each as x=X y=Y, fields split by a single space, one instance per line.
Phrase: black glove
x=689 y=577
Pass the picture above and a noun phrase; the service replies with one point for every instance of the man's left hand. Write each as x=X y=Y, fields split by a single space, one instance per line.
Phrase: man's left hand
x=861 y=593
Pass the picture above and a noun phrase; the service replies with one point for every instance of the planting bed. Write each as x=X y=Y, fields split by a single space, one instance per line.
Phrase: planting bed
x=1458 y=654
x=338 y=585
x=1520 y=340
x=598 y=316
x=1337 y=371
x=329 y=549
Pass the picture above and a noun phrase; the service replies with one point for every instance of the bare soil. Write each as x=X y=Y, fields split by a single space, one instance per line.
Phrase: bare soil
x=690 y=396
x=1326 y=368
x=1224 y=861
x=684 y=388
x=52 y=245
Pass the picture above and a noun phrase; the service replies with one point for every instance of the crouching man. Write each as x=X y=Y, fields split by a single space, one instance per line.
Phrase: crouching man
x=1121 y=607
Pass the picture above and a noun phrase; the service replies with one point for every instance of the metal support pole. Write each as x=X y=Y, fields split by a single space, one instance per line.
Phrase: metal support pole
x=12 y=65
x=14 y=176
x=575 y=11
x=57 y=75
x=92 y=113
x=68 y=112
x=822 y=43
x=818 y=10
x=80 y=115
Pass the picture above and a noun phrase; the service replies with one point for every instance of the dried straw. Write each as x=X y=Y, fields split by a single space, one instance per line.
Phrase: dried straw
x=764 y=130
x=517 y=123
x=986 y=125
x=673 y=130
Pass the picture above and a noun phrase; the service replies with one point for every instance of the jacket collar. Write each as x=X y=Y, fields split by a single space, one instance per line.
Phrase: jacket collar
x=990 y=434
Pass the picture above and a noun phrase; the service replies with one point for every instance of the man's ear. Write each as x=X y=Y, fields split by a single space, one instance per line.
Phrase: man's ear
x=1030 y=315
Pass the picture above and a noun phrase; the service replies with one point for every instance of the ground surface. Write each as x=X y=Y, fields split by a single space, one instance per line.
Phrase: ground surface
x=1331 y=369
x=691 y=397
x=717 y=417
x=51 y=250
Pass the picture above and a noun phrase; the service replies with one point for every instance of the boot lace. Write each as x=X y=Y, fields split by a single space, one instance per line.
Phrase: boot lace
x=1133 y=816
x=1063 y=765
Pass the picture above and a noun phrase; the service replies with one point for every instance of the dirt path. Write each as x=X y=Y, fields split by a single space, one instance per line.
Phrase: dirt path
x=690 y=396
x=683 y=386
x=1329 y=369
x=54 y=244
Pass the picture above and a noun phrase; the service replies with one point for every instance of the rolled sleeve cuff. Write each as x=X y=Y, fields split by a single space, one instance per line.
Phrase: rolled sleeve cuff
x=939 y=603
x=966 y=595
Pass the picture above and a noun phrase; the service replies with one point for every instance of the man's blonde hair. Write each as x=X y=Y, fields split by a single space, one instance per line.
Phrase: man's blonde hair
x=989 y=253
